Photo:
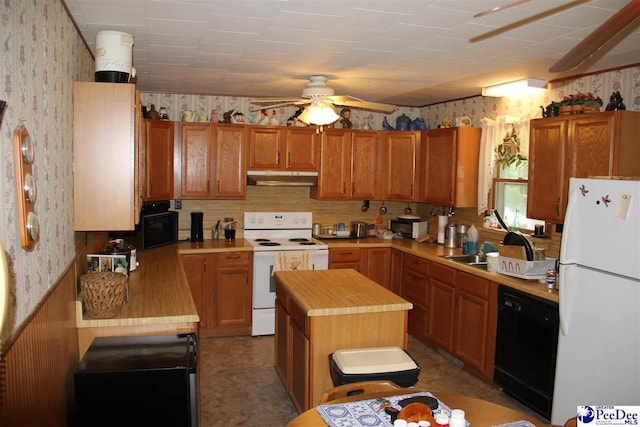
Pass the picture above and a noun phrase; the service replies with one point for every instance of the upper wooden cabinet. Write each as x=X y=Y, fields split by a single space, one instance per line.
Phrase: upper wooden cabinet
x=348 y=162
x=449 y=176
x=211 y=161
x=157 y=160
x=398 y=165
x=595 y=144
x=106 y=193
x=274 y=147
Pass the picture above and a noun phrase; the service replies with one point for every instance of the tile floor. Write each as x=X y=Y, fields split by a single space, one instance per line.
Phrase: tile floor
x=239 y=385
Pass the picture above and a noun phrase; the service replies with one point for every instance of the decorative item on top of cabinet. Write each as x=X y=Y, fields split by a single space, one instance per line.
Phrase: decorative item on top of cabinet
x=594 y=144
x=24 y=156
x=449 y=176
x=105 y=129
x=157 y=166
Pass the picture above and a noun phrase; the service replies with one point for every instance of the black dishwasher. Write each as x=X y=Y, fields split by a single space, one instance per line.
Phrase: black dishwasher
x=138 y=381
x=526 y=345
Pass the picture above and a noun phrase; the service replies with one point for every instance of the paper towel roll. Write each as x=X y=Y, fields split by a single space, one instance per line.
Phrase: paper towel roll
x=442 y=224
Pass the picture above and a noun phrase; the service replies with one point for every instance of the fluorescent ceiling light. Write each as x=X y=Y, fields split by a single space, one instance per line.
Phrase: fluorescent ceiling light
x=517 y=88
x=318 y=113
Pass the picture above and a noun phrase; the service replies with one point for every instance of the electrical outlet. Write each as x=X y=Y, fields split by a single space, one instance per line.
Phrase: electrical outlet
x=178 y=204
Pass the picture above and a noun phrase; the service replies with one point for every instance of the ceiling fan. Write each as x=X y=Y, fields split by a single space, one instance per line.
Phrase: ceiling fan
x=317 y=91
x=593 y=42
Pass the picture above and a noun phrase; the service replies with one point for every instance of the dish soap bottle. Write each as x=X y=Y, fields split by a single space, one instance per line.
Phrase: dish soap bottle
x=472 y=240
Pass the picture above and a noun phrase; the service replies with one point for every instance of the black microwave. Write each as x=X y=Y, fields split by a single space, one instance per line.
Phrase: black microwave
x=157 y=229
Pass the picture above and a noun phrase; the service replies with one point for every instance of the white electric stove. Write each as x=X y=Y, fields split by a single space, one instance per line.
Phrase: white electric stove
x=271 y=233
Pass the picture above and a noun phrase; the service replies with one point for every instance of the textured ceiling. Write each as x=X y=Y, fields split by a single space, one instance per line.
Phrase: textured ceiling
x=403 y=52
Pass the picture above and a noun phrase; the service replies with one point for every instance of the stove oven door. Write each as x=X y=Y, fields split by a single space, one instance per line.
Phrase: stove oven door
x=264 y=284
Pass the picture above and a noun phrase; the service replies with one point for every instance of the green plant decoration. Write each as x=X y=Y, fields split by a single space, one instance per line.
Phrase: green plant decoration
x=508 y=153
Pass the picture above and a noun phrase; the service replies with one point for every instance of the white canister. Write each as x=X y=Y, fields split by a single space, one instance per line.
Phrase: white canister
x=114 y=57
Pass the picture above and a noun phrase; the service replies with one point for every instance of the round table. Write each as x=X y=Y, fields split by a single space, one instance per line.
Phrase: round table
x=479 y=413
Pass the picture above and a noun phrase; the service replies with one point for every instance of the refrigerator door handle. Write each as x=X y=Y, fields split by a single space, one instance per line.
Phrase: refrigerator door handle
x=563 y=301
x=564 y=247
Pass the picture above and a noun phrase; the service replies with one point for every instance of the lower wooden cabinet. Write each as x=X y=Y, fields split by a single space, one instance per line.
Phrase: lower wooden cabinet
x=442 y=299
x=415 y=288
x=395 y=271
x=374 y=263
x=221 y=288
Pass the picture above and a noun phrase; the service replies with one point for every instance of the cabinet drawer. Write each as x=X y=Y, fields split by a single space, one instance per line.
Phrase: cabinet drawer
x=231 y=259
x=474 y=285
x=417 y=264
x=344 y=255
x=443 y=273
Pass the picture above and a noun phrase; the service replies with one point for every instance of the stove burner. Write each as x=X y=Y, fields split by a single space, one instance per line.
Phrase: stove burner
x=299 y=239
x=306 y=242
x=262 y=240
x=268 y=243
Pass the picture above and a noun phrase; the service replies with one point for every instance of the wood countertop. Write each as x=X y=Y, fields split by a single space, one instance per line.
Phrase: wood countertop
x=158 y=293
x=430 y=251
x=339 y=291
x=211 y=246
x=434 y=252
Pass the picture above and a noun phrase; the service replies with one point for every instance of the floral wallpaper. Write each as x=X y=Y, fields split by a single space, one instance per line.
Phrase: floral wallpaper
x=627 y=81
x=41 y=56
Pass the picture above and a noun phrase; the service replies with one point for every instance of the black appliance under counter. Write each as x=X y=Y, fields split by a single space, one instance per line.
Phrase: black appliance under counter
x=138 y=381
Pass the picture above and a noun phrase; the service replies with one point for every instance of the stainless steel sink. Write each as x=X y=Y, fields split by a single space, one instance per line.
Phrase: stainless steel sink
x=473 y=260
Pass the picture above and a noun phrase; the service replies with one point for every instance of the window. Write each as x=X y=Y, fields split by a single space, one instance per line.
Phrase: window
x=510 y=196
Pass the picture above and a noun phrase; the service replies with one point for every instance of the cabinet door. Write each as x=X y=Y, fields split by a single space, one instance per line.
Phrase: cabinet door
x=590 y=151
x=398 y=165
x=265 y=146
x=472 y=320
x=334 y=180
x=303 y=149
x=395 y=273
x=415 y=288
x=231 y=181
x=196 y=161
x=232 y=290
x=377 y=263
x=197 y=269
x=158 y=153
x=442 y=299
x=299 y=391
x=546 y=194
x=364 y=156
x=282 y=339
x=104 y=150
x=439 y=157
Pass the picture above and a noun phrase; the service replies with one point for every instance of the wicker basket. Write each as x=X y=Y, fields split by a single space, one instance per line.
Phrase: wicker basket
x=103 y=293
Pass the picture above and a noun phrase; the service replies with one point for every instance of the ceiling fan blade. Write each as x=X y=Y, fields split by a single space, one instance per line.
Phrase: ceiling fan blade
x=499 y=8
x=297 y=101
x=259 y=101
x=350 y=101
x=598 y=38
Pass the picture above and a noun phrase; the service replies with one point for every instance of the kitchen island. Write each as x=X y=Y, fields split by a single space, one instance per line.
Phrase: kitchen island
x=319 y=312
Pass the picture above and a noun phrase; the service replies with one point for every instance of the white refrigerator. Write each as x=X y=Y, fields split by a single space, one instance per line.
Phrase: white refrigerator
x=598 y=360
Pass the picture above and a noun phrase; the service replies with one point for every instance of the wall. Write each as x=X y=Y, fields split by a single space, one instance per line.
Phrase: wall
x=41 y=56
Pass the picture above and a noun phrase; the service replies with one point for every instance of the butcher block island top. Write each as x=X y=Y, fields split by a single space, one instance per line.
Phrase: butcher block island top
x=339 y=291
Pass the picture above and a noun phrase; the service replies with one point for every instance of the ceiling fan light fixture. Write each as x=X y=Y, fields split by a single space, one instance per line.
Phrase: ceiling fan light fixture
x=516 y=88
x=318 y=113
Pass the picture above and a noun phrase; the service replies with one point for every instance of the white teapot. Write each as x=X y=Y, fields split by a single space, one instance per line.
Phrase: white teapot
x=188 y=116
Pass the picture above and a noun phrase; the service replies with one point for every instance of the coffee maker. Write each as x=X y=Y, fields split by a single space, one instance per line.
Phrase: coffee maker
x=197 y=234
